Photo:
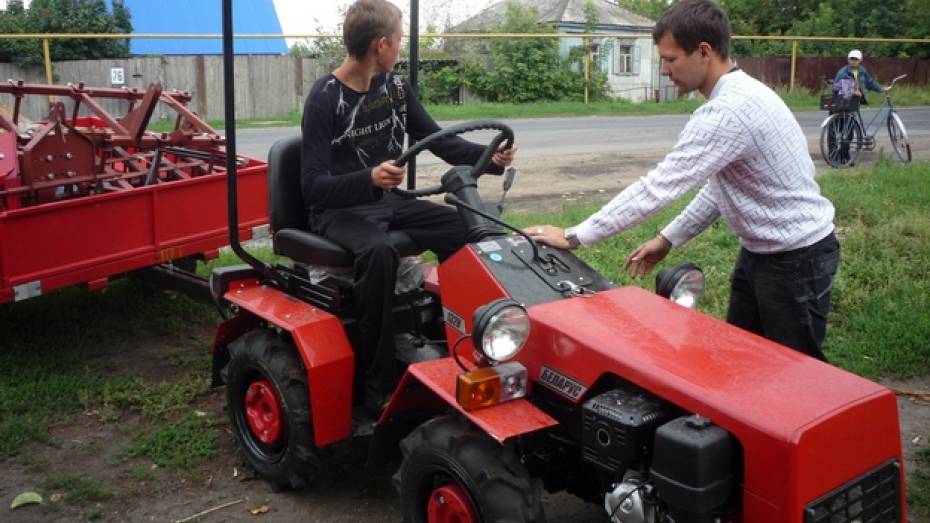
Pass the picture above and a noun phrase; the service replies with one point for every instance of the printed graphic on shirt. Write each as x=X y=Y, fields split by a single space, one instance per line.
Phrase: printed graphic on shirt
x=375 y=122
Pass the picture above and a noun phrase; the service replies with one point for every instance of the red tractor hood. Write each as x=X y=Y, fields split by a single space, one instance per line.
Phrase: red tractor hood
x=783 y=406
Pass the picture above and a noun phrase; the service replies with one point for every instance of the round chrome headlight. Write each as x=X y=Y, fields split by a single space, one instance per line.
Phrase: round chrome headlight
x=501 y=328
x=683 y=284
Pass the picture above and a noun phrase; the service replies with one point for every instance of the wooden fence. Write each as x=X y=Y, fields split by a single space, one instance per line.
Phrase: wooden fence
x=266 y=86
x=811 y=71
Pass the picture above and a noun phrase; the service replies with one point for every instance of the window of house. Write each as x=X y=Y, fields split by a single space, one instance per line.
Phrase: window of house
x=624 y=59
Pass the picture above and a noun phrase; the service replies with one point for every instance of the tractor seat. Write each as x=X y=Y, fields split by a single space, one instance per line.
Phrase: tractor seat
x=288 y=215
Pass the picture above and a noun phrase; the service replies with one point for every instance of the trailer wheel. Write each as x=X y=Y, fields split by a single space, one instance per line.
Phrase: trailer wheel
x=267 y=399
x=453 y=472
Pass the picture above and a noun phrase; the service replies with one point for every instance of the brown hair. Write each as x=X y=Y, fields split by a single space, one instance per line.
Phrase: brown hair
x=367 y=20
x=694 y=21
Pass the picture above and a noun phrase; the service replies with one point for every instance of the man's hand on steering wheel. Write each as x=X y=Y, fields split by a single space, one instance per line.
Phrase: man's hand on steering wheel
x=504 y=156
x=387 y=175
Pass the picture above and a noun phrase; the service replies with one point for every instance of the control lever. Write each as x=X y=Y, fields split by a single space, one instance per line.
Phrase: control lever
x=509 y=175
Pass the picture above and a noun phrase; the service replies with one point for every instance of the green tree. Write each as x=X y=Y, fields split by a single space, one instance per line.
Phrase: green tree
x=850 y=18
x=64 y=16
x=525 y=69
x=652 y=9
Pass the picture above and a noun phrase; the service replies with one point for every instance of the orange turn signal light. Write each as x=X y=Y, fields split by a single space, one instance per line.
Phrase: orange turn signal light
x=491 y=385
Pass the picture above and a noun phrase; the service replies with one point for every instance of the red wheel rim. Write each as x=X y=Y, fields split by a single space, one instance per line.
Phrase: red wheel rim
x=263 y=412
x=450 y=504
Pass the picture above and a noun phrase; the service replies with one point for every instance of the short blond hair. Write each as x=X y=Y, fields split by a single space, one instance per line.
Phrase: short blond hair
x=367 y=20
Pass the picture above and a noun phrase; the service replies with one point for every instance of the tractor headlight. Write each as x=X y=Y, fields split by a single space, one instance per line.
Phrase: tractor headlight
x=683 y=284
x=501 y=328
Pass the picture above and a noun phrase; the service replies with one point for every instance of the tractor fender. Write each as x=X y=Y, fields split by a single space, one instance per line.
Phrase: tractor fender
x=321 y=343
x=430 y=385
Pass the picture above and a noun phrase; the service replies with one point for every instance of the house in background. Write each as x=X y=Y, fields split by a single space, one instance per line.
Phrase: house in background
x=628 y=56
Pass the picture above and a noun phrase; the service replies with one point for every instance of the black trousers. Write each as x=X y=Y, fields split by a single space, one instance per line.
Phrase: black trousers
x=785 y=296
x=363 y=231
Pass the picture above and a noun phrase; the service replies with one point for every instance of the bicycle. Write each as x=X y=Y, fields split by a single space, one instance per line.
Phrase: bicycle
x=843 y=136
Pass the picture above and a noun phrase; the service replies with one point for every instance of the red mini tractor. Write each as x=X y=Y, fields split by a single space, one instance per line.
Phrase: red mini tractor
x=545 y=375
x=528 y=370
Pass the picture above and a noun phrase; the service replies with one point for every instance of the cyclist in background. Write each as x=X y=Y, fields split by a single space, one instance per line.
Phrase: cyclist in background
x=859 y=74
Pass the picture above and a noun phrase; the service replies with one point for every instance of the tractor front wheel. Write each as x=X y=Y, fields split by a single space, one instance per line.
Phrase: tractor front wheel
x=453 y=472
x=267 y=398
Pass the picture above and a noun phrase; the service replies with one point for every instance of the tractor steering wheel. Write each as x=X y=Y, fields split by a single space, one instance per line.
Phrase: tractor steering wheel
x=506 y=133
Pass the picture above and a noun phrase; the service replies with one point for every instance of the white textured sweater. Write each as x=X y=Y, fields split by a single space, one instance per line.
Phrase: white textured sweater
x=748 y=151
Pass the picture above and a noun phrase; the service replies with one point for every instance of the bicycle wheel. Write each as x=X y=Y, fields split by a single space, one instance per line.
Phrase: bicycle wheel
x=899 y=139
x=841 y=139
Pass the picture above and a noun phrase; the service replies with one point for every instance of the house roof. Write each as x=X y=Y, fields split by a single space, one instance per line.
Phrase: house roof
x=199 y=17
x=562 y=12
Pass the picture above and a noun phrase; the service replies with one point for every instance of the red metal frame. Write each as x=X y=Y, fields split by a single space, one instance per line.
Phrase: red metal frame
x=96 y=237
x=85 y=198
x=501 y=422
x=322 y=345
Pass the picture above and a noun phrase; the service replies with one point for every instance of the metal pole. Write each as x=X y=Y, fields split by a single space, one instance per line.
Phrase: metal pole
x=794 y=63
x=414 y=67
x=48 y=66
x=48 y=61
x=587 y=59
x=232 y=201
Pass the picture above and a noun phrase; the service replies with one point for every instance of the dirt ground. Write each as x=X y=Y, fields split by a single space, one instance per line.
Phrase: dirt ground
x=347 y=490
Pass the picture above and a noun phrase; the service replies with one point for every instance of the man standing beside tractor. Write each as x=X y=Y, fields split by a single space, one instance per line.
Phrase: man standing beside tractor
x=353 y=127
x=746 y=151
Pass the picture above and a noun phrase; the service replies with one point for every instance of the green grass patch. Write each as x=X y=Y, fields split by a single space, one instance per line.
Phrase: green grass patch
x=51 y=365
x=187 y=442
x=77 y=490
x=141 y=473
x=902 y=96
x=227 y=257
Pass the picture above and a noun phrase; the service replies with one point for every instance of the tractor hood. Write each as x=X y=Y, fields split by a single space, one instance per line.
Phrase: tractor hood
x=776 y=401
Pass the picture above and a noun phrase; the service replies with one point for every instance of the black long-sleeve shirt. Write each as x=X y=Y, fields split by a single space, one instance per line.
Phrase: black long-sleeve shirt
x=346 y=133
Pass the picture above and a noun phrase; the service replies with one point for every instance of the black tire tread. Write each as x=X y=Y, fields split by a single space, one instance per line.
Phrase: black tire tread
x=282 y=366
x=502 y=488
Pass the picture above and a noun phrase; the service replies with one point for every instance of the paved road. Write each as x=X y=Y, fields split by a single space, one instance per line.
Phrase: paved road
x=543 y=137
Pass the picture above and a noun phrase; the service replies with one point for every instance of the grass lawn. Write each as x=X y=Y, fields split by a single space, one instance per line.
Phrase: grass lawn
x=51 y=372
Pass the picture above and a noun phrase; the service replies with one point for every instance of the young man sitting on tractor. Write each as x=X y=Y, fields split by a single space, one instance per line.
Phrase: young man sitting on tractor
x=746 y=151
x=353 y=128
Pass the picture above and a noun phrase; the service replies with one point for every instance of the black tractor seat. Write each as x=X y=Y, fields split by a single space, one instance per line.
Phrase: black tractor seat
x=305 y=247
x=288 y=215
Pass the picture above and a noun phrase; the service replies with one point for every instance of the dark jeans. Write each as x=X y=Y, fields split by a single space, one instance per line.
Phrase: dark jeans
x=363 y=230
x=785 y=296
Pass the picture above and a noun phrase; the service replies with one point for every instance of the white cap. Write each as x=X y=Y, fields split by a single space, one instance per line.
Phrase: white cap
x=855 y=53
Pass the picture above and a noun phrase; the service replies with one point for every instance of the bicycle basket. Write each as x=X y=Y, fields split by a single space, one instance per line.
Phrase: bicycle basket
x=826 y=102
x=841 y=103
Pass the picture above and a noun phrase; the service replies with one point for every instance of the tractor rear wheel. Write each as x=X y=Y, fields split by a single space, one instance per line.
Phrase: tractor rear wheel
x=267 y=399
x=454 y=472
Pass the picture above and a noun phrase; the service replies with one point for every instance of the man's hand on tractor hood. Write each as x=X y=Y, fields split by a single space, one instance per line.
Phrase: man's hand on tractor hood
x=549 y=235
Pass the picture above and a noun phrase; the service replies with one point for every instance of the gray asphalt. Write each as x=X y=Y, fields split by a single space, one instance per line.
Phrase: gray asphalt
x=541 y=137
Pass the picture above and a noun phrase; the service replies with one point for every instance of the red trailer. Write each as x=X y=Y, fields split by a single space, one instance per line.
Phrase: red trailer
x=86 y=196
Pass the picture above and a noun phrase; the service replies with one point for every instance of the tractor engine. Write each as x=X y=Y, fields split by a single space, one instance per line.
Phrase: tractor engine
x=665 y=467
